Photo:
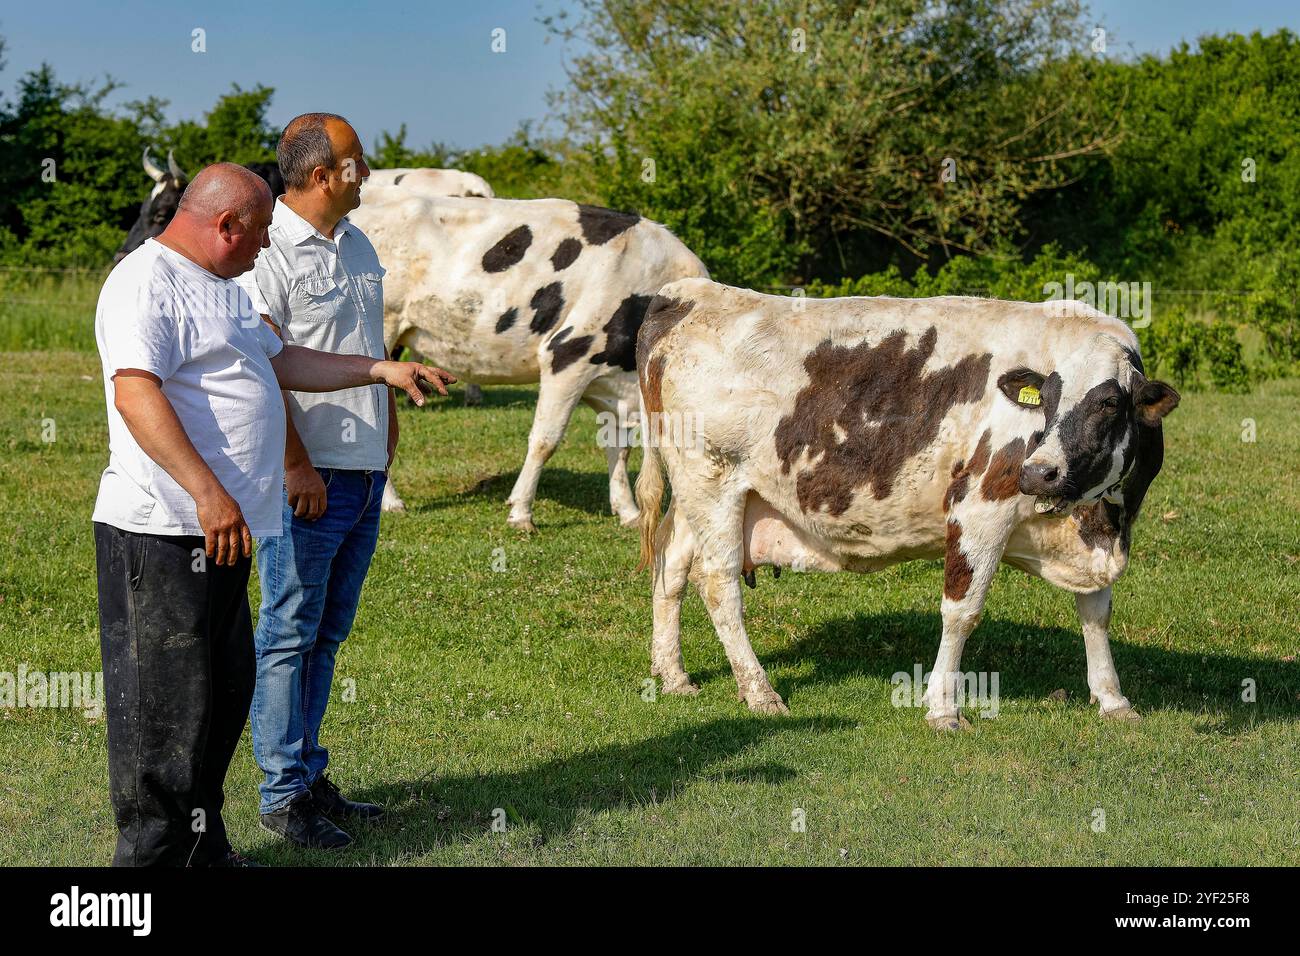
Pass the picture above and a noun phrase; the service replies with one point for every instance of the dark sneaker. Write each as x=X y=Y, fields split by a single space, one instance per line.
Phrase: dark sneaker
x=233 y=859
x=303 y=823
x=335 y=805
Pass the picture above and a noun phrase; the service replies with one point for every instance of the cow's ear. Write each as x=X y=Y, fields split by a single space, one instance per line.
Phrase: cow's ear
x=1023 y=386
x=1154 y=400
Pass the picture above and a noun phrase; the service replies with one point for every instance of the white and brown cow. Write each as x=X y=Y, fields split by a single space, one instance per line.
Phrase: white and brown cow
x=503 y=291
x=852 y=434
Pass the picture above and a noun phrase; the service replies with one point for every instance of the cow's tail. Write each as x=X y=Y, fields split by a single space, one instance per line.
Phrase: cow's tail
x=649 y=492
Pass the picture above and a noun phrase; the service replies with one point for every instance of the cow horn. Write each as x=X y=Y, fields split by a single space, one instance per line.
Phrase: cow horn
x=154 y=172
x=177 y=173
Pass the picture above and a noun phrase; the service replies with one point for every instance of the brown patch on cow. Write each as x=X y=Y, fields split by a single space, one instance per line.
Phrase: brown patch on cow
x=652 y=378
x=508 y=250
x=886 y=405
x=1002 y=480
x=957 y=572
x=962 y=473
x=1101 y=524
x=661 y=317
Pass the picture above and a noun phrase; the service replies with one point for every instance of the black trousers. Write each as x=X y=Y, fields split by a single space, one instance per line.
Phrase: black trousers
x=177 y=643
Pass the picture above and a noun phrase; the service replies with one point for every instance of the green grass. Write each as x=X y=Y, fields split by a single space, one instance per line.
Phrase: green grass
x=522 y=689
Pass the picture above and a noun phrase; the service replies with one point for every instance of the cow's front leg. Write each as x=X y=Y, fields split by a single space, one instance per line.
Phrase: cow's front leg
x=556 y=399
x=1103 y=681
x=971 y=557
x=473 y=395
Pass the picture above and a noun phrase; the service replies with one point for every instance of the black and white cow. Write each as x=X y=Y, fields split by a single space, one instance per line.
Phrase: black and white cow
x=852 y=434
x=160 y=206
x=514 y=291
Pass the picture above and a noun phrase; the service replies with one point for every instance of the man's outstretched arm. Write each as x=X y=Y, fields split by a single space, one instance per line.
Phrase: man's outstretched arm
x=302 y=369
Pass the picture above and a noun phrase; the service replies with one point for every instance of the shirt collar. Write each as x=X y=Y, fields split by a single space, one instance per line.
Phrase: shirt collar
x=298 y=230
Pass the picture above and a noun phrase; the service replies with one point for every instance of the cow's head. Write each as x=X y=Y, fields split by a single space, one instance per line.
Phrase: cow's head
x=156 y=211
x=1101 y=425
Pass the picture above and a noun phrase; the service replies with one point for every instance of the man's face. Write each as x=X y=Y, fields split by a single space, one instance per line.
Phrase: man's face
x=349 y=171
x=241 y=241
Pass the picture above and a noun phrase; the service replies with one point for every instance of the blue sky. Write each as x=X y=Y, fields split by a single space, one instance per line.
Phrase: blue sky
x=428 y=64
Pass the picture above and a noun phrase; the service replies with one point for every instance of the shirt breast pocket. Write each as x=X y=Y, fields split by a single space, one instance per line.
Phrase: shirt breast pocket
x=370 y=285
x=318 y=299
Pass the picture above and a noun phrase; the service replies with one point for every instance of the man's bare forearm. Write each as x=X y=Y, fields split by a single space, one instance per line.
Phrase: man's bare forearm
x=295 y=452
x=157 y=429
x=302 y=369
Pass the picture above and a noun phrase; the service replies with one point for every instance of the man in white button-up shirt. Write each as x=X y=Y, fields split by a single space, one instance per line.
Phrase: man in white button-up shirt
x=192 y=380
x=319 y=284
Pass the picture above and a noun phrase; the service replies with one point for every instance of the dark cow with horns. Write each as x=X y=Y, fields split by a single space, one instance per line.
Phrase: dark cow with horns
x=157 y=210
x=852 y=434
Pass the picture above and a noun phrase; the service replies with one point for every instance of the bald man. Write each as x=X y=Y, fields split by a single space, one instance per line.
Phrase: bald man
x=192 y=379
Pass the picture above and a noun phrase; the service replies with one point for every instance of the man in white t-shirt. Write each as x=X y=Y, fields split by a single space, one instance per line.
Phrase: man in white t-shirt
x=192 y=378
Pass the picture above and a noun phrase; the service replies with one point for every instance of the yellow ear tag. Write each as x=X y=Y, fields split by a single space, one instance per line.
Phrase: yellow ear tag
x=1029 y=396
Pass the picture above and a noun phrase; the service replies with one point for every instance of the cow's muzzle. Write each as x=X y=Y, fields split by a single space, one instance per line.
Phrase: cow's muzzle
x=1045 y=482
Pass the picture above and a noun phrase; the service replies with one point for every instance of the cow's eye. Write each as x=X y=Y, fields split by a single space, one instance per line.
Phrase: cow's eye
x=1110 y=404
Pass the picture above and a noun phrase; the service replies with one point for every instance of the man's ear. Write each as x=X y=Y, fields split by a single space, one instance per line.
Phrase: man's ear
x=1154 y=400
x=226 y=223
x=1022 y=386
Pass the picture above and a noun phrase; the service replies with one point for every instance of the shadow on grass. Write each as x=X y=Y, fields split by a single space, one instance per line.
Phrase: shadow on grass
x=494 y=396
x=1033 y=663
x=548 y=798
x=582 y=490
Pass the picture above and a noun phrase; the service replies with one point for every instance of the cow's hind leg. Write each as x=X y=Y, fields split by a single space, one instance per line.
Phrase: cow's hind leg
x=719 y=529
x=674 y=552
x=556 y=399
x=616 y=419
x=974 y=548
x=1103 y=681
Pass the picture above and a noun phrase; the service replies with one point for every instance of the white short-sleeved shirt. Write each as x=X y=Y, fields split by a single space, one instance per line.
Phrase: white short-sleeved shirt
x=327 y=294
x=197 y=332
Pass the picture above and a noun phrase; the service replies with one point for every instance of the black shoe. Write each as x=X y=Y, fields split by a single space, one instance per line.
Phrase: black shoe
x=233 y=859
x=303 y=823
x=333 y=803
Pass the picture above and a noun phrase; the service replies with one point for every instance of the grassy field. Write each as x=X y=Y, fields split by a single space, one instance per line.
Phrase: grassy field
x=521 y=689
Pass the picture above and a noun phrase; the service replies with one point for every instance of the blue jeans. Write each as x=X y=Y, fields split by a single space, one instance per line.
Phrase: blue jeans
x=311 y=580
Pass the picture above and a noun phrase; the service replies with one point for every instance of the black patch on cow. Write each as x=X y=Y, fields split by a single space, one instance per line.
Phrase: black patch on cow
x=1134 y=358
x=547 y=303
x=886 y=403
x=565 y=254
x=621 y=333
x=567 y=352
x=509 y=249
x=601 y=225
x=1102 y=522
x=398 y=178
x=957 y=570
x=507 y=320
x=1090 y=432
x=1051 y=396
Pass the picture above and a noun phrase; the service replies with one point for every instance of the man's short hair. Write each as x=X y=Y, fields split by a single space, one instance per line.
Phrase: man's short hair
x=305 y=145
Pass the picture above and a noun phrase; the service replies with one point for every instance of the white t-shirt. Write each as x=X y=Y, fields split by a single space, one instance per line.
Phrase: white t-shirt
x=162 y=313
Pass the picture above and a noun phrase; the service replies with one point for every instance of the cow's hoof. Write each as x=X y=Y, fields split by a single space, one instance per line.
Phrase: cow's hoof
x=630 y=521
x=523 y=524
x=948 y=723
x=767 y=702
x=682 y=686
x=1124 y=714
x=473 y=396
